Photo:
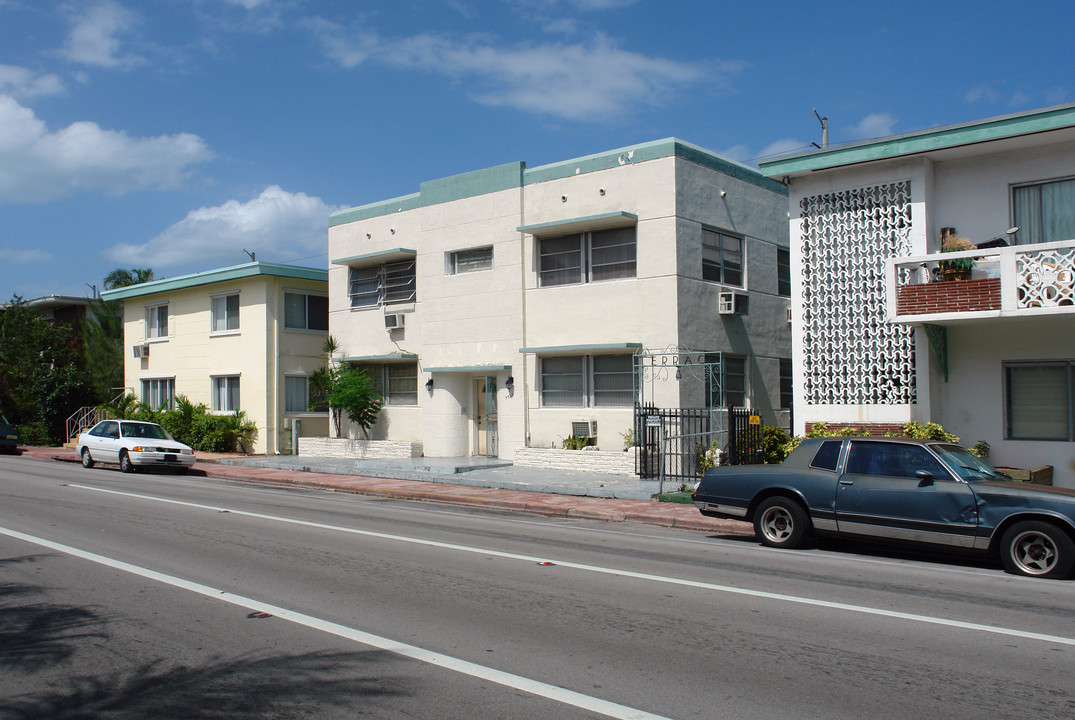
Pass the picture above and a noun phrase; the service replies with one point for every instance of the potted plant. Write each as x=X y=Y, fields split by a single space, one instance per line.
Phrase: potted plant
x=958 y=269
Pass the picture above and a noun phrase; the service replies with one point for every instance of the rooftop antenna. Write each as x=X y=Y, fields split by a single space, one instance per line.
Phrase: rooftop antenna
x=252 y=255
x=824 y=131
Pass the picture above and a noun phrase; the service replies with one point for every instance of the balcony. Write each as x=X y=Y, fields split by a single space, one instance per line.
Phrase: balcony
x=1015 y=281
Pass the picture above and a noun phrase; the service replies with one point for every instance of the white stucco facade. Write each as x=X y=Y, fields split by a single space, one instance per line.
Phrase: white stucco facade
x=484 y=331
x=256 y=351
x=963 y=177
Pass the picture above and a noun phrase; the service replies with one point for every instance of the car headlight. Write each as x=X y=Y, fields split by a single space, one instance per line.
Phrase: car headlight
x=186 y=451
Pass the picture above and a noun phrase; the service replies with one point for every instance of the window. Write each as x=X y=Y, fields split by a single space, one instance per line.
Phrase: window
x=157 y=321
x=382 y=284
x=828 y=455
x=733 y=371
x=1039 y=400
x=467 y=261
x=305 y=312
x=396 y=382
x=587 y=381
x=587 y=257
x=786 y=394
x=1044 y=212
x=783 y=272
x=297 y=396
x=892 y=460
x=226 y=393
x=159 y=393
x=225 y=312
x=722 y=258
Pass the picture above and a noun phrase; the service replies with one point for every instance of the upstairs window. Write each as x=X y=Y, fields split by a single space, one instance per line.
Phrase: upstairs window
x=468 y=261
x=384 y=284
x=225 y=313
x=722 y=258
x=1044 y=212
x=783 y=272
x=305 y=312
x=157 y=321
x=588 y=257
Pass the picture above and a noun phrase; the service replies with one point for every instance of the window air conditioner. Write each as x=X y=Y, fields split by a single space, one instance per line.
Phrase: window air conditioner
x=584 y=428
x=733 y=303
x=393 y=321
x=141 y=351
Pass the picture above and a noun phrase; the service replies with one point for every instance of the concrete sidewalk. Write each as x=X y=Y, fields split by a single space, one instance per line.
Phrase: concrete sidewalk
x=500 y=487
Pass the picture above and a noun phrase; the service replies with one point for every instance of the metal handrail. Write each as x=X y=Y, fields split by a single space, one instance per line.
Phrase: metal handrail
x=90 y=415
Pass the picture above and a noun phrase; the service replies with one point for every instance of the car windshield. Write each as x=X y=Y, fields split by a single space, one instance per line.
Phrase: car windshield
x=144 y=430
x=967 y=465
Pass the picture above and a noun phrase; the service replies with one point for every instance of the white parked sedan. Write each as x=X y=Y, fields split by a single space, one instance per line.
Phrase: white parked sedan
x=134 y=445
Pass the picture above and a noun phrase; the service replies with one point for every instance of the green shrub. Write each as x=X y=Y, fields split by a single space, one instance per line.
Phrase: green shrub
x=33 y=433
x=576 y=442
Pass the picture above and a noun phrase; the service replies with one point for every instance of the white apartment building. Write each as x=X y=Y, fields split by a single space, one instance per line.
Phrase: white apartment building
x=510 y=306
x=880 y=339
x=244 y=338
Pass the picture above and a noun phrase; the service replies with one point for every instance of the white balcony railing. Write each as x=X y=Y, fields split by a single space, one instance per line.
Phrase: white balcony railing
x=1014 y=280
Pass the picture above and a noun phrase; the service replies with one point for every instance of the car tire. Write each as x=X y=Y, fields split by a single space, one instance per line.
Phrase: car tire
x=1037 y=549
x=782 y=523
x=125 y=464
x=87 y=461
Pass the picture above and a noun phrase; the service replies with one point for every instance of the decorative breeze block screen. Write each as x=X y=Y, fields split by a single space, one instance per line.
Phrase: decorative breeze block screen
x=852 y=355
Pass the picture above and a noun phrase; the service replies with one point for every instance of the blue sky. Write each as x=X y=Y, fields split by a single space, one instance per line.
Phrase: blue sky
x=174 y=134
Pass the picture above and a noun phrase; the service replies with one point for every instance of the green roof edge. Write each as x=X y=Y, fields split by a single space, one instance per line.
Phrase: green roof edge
x=207 y=277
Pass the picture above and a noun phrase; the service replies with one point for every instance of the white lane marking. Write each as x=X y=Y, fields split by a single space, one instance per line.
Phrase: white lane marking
x=730 y=589
x=534 y=687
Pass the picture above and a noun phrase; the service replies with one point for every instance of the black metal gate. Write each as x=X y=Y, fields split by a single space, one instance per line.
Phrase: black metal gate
x=674 y=438
x=746 y=439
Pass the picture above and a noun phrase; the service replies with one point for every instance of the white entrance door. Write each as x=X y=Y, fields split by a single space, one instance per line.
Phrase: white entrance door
x=485 y=415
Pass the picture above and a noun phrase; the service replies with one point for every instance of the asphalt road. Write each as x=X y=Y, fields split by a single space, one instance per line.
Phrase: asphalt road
x=152 y=596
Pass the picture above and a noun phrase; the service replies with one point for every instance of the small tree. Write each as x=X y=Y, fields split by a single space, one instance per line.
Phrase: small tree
x=347 y=390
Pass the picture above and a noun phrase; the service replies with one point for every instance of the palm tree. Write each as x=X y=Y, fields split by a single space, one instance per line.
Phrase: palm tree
x=122 y=277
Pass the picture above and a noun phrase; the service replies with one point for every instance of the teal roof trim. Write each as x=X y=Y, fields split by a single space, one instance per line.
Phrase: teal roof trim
x=921 y=141
x=379 y=358
x=377 y=209
x=468 y=368
x=228 y=274
x=581 y=348
x=516 y=174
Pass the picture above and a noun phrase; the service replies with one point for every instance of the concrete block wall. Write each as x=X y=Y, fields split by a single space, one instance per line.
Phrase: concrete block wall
x=596 y=461
x=358 y=449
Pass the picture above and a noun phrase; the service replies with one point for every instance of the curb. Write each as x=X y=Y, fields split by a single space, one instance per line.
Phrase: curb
x=672 y=515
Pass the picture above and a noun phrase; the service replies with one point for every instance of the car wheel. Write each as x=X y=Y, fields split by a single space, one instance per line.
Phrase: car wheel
x=87 y=461
x=781 y=522
x=125 y=464
x=1037 y=549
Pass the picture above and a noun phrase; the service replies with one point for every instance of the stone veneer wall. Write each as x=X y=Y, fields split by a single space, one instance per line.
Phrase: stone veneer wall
x=596 y=461
x=358 y=449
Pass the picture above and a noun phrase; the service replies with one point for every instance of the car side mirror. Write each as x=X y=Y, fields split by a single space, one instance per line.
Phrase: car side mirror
x=925 y=478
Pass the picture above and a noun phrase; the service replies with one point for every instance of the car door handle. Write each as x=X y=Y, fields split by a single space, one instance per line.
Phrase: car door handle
x=846 y=482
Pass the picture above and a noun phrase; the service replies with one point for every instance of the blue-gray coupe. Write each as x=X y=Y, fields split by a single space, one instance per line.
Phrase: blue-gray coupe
x=900 y=490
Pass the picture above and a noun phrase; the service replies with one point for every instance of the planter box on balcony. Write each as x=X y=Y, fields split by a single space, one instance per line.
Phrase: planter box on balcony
x=948 y=297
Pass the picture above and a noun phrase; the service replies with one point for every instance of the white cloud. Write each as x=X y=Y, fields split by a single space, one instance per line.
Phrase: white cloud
x=873 y=125
x=94 y=37
x=782 y=147
x=579 y=81
x=739 y=153
x=276 y=225
x=37 y=165
x=22 y=82
x=13 y=255
x=980 y=92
